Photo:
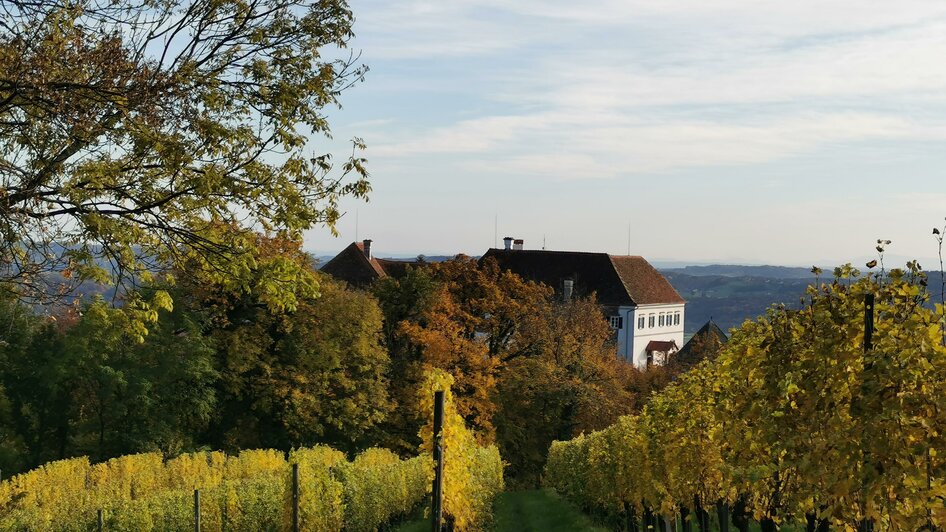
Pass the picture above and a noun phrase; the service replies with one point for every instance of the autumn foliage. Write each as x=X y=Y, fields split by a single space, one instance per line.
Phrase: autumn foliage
x=247 y=491
x=795 y=421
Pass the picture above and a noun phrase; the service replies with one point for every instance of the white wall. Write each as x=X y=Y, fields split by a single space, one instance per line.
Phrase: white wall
x=637 y=339
x=626 y=334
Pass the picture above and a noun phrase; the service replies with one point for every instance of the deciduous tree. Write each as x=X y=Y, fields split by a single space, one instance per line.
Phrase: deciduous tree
x=131 y=131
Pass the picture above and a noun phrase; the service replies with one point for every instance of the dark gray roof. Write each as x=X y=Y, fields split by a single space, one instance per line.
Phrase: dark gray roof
x=702 y=340
x=617 y=280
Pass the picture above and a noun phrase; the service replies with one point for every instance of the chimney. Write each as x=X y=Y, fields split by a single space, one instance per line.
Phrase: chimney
x=507 y=243
x=517 y=244
x=367 y=245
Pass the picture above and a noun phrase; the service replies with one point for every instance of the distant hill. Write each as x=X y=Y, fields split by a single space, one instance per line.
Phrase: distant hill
x=736 y=270
x=732 y=299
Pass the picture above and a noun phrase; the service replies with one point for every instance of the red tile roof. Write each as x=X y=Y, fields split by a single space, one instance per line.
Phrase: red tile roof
x=643 y=282
x=353 y=266
x=661 y=346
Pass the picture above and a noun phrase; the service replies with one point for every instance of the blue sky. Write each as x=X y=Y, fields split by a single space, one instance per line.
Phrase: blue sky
x=725 y=131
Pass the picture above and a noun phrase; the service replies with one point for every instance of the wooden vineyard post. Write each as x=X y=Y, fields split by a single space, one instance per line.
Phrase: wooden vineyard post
x=196 y=510
x=866 y=524
x=436 y=510
x=100 y=518
x=295 y=497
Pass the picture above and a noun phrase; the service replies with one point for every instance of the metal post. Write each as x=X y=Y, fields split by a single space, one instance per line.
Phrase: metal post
x=196 y=510
x=295 y=497
x=437 y=495
x=101 y=519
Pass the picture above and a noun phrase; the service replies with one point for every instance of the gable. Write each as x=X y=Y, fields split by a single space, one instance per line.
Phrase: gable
x=352 y=266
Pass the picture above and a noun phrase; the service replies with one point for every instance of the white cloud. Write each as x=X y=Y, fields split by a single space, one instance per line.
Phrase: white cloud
x=709 y=84
x=843 y=95
x=572 y=146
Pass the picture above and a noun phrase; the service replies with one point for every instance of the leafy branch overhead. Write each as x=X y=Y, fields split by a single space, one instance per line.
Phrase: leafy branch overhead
x=135 y=135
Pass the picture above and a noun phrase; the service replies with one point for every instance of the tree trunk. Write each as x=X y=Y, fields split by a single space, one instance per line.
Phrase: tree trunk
x=768 y=525
x=649 y=523
x=702 y=517
x=740 y=517
x=722 y=512
x=686 y=525
x=631 y=513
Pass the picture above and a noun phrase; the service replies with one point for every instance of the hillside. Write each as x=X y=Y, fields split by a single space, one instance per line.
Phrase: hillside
x=730 y=299
x=738 y=270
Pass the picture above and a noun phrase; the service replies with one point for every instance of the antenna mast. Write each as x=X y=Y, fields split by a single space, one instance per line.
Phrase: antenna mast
x=628 y=238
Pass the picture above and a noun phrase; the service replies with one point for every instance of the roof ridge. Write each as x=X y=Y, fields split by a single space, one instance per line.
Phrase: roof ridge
x=546 y=251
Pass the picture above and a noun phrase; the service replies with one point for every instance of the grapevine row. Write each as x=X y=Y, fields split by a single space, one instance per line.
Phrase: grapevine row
x=799 y=419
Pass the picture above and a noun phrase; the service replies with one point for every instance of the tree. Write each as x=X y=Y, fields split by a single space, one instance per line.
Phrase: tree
x=527 y=369
x=478 y=319
x=314 y=372
x=573 y=384
x=132 y=132
x=405 y=299
x=90 y=383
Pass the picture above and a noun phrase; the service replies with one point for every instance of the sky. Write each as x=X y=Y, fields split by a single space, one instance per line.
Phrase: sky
x=735 y=131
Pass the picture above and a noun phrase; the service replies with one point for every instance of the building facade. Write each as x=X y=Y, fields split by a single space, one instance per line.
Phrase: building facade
x=644 y=310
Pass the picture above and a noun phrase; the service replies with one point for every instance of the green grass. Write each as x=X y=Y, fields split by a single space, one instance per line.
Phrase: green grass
x=534 y=510
x=538 y=510
x=541 y=511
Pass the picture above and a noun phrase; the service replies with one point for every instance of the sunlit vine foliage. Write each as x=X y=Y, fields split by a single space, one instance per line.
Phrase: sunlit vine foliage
x=794 y=419
x=473 y=474
x=249 y=491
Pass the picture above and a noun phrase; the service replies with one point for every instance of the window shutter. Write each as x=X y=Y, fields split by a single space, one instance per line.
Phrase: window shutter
x=621 y=322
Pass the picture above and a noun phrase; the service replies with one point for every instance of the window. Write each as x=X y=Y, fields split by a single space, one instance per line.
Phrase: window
x=650 y=320
x=616 y=322
x=640 y=322
x=676 y=318
x=568 y=286
x=660 y=320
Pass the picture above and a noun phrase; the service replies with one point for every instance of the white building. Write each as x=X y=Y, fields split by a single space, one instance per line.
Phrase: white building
x=642 y=307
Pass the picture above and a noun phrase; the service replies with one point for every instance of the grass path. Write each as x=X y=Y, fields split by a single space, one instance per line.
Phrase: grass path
x=528 y=511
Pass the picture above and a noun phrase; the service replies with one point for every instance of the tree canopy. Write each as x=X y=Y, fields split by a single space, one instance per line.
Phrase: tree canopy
x=139 y=134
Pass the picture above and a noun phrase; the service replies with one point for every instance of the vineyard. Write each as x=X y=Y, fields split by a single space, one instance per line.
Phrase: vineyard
x=828 y=416
x=253 y=490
